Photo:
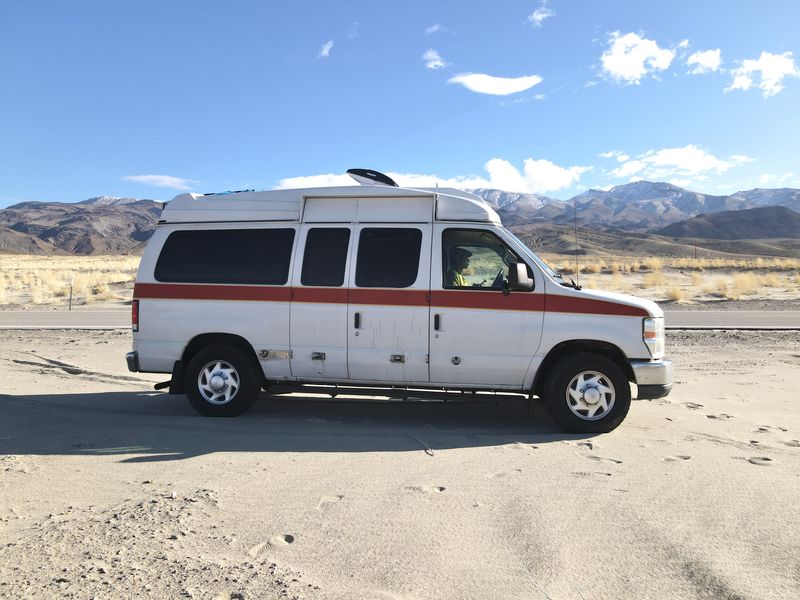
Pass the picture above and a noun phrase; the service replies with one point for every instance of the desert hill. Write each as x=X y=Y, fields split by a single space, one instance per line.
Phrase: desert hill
x=754 y=223
x=100 y=225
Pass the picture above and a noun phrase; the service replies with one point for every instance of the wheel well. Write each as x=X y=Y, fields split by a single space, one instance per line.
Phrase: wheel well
x=199 y=342
x=573 y=347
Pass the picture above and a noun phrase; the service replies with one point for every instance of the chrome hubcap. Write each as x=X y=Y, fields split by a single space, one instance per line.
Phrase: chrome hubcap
x=218 y=382
x=590 y=395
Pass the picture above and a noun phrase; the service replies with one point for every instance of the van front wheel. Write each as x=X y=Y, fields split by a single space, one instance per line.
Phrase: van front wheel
x=587 y=393
x=221 y=381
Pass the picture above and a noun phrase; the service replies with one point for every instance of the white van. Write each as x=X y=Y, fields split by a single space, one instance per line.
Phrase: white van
x=379 y=286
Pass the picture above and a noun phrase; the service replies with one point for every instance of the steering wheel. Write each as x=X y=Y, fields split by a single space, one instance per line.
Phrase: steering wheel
x=498 y=280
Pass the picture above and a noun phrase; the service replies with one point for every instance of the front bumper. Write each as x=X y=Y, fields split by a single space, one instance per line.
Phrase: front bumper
x=132 y=358
x=652 y=377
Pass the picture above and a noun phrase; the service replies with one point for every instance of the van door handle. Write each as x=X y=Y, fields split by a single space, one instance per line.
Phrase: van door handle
x=357 y=320
x=436 y=322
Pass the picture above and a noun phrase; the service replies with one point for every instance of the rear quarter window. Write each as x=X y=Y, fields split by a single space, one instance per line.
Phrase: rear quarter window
x=235 y=256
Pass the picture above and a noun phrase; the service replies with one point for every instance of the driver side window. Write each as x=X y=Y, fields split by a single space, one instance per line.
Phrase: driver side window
x=475 y=259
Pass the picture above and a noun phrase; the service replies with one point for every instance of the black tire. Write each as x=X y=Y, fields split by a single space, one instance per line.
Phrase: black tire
x=234 y=364
x=582 y=415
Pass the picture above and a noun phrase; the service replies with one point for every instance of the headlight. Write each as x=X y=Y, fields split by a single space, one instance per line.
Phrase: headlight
x=653 y=336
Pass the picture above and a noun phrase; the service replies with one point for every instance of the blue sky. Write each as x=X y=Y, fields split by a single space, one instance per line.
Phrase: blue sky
x=148 y=99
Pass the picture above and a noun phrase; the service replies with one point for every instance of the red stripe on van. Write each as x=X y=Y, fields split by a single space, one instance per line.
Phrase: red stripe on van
x=193 y=291
x=443 y=299
x=389 y=297
x=489 y=300
x=329 y=295
x=573 y=304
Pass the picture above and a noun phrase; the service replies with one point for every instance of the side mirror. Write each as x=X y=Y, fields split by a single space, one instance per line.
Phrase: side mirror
x=518 y=279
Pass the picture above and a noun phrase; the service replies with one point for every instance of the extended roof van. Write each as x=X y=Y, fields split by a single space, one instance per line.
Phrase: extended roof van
x=378 y=286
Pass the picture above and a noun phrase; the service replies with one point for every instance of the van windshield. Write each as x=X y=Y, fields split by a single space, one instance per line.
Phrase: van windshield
x=543 y=265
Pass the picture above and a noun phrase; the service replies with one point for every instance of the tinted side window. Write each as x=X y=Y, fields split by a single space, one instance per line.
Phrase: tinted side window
x=256 y=256
x=388 y=257
x=325 y=256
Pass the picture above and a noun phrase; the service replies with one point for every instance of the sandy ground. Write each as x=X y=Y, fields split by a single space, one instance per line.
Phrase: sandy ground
x=110 y=490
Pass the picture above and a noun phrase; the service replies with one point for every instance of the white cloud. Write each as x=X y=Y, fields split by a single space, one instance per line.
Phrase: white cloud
x=537 y=17
x=354 y=32
x=771 y=68
x=498 y=86
x=434 y=29
x=537 y=176
x=325 y=49
x=589 y=84
x=630 y=57
x=688 y=162
x=618 y=154
x=683 y=44
x=629 y=168
x=433 y=60
x=704 y=61
x=770 y=179
x=165 y=181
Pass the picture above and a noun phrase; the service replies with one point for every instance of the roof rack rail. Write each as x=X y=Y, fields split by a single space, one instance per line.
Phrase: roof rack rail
x=226 y=193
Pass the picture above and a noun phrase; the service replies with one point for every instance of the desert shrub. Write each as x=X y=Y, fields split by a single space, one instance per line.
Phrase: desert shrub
x=718 y=286
x=676 y=294
x=697 y=280
x=653 y=263
x=592 y=268
x=771 y=280
x=743 y=284
x=654 y=279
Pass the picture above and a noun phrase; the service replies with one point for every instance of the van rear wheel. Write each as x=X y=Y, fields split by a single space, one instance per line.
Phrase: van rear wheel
x=587 y=393
x=221 y=381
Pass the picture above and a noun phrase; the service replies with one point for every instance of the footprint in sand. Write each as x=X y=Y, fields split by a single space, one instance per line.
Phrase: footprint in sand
x=604 y=459
x=676 y=458
x=692 y=405
x=523 y=446
x=792 y=443
x=763 y=429
x=720 y=416
x=761 y=461
x=587 y=445
x=426 y=489
x=586 y=474
x=327 y=501
x=281 y=540
x=376 y=595
x=505 y=474
x=275 y=542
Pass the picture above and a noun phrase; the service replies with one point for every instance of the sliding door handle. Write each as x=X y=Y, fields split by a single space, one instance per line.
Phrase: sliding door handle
x=357 y=320
x=437 y=321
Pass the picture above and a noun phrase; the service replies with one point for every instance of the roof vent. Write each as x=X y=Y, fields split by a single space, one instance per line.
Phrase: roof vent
x=370 y=177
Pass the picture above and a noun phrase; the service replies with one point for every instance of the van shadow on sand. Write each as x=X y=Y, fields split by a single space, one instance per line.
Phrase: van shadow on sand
x=147 y=426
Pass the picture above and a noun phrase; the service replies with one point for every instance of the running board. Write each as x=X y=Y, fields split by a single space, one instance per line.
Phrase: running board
x=395 y=393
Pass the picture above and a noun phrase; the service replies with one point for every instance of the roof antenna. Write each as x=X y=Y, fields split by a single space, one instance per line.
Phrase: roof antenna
x=577 y=267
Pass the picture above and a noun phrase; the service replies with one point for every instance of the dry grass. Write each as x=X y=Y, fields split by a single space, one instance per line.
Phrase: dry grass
x=676 y=294
x=29 y=279
x=26 y=279
x=688 y=279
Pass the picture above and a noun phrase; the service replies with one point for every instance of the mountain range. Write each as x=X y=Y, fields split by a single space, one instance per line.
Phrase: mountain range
x=111 y=225
x=101 y=225
x=642 y=206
